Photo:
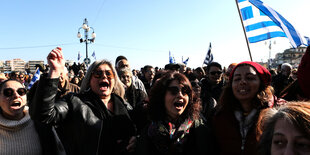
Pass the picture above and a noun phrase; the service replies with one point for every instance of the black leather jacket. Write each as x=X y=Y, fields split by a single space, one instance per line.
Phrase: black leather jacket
x=82 y=121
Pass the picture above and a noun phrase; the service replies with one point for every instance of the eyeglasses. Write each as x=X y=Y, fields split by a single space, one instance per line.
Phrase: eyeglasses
x=8 y=92
x=174 y=90
x=216 y=72
x=99 y=74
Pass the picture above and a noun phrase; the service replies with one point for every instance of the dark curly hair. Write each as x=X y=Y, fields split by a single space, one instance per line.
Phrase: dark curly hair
x=156 y=106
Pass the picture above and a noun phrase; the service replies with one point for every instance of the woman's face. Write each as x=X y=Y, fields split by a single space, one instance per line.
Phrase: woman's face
x=245 y=83
x=13 y=100
x=176 y=99
x=288 y=140
x=126 y=79
x=102 y=81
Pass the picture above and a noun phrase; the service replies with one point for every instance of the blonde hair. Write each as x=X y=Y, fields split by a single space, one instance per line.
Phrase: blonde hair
x=118 y=87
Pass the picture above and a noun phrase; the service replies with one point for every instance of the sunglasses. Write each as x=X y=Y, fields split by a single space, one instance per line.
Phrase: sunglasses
x=174 y=90
x=99 y=74
x=216 y=72
x=8 y=92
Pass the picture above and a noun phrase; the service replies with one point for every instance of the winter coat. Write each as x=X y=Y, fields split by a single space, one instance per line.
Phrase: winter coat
x=199 y=141
x=82 y=121
x=229 y=140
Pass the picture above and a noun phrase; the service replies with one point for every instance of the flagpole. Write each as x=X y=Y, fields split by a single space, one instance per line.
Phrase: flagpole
x=246 y=38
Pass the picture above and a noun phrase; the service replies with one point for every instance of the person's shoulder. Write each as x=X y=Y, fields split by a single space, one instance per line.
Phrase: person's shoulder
x=74 y=86
x=119 y=100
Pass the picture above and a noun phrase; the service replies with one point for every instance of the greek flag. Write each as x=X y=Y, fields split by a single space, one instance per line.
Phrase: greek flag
x=186 y=61
x=262 y=22
x=209 y=56
x=79 y=56
x=94 y=55
x=308 y=40
x=171 y=59
x=35 y=78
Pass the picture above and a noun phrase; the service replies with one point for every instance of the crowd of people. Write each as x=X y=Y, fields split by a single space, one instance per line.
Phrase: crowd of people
x=112 y=109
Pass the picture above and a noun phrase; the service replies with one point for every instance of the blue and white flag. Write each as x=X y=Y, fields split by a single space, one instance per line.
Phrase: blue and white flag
x=35 y=78
x=209 y=56
x=171 y=59
x=79 y=56
x=186 y=61
x=94 y=55
x=262 y=22
x=308 y=40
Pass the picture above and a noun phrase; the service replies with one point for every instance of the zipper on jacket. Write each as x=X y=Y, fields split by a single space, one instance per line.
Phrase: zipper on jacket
x=242 y=144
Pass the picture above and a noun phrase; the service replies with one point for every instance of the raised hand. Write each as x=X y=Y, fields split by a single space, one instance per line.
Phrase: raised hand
x=56 y=62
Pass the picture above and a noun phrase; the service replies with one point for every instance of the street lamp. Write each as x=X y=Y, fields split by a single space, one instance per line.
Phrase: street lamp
x=86 y=40
x=269 y=60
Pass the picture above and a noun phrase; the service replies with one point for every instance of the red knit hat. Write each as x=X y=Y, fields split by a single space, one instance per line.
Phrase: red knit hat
x=263 y=73
x=303 y=73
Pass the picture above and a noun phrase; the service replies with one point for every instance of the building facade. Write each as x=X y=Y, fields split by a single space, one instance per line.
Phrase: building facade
x=32 y=65
x=14 y=65
x=291 y=56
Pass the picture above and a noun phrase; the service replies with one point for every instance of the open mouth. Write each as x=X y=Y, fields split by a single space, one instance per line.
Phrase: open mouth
x=16 y=105
x=243 y=91
x=104 y=85
x=178 y=105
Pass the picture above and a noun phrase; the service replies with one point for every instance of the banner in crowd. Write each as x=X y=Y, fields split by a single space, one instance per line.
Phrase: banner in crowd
x=262 y=22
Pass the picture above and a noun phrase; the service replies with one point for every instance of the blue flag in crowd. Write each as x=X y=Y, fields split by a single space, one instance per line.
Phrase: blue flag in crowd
x=171 y=59
x=94 y=55
x=35 y=78
x=79 y=56
x=262 y=22
x=209 y=56
x=308 y=40
x=186 y=61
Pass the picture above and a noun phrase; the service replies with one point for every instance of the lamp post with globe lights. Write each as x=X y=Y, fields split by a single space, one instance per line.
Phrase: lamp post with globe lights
x=86 y=38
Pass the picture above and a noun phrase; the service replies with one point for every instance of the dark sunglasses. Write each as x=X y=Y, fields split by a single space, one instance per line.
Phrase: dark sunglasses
x=99 y=74
x=216 y=72
x=174 y=90
x=8 y=92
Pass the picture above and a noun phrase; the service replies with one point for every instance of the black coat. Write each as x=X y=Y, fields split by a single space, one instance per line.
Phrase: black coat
x=83 y=123
x=48 y=138
x=199 y=142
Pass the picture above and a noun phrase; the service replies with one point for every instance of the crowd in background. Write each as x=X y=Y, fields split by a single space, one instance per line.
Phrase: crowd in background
x=111 y=108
